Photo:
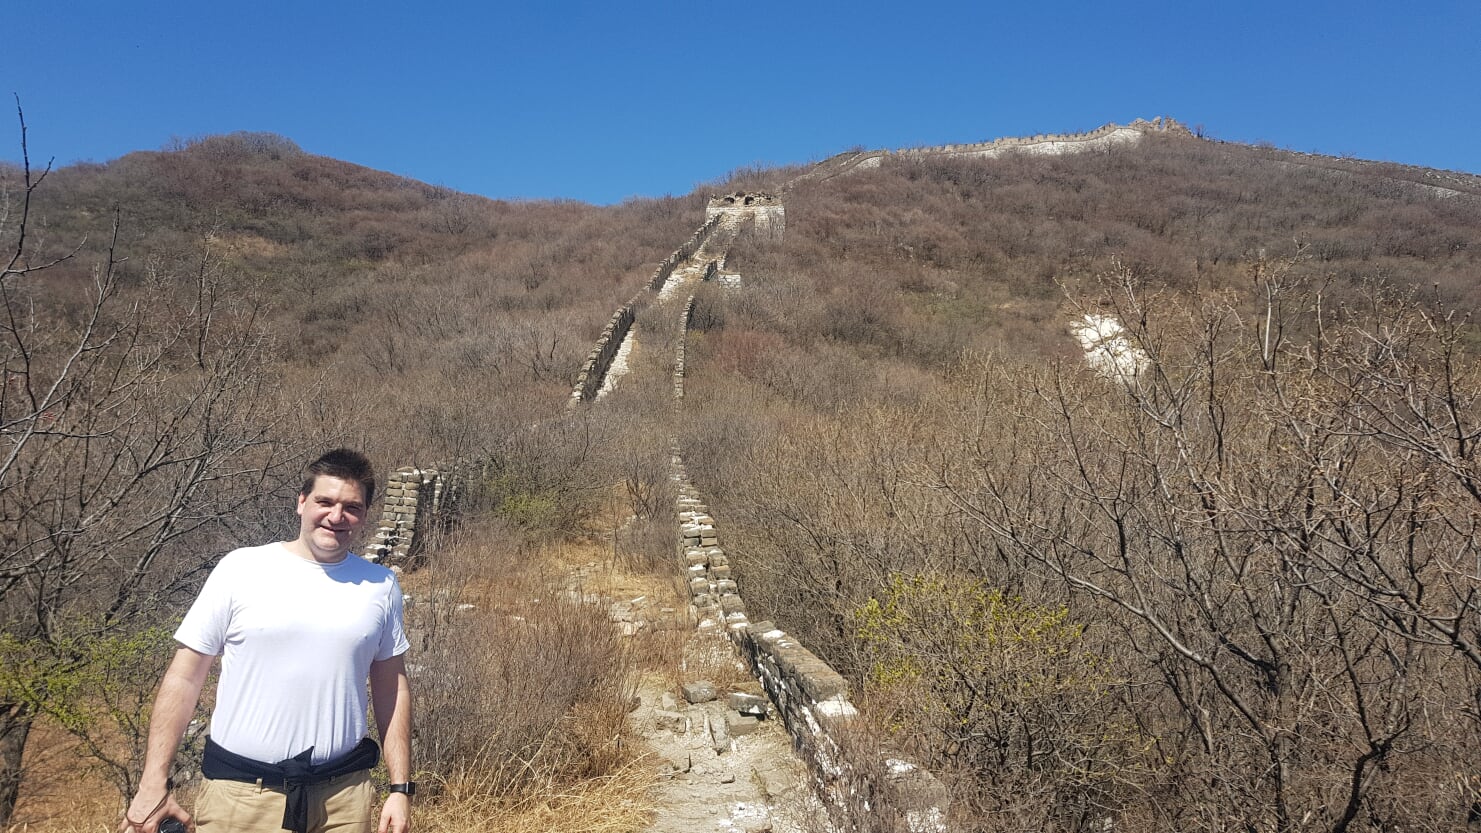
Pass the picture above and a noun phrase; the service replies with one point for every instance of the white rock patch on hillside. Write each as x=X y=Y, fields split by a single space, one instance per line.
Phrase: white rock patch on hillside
x=1108 y=349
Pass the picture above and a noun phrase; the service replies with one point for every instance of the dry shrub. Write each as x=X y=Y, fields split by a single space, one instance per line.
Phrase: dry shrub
x=714 y=660
x=525 y=692
x=646 y=545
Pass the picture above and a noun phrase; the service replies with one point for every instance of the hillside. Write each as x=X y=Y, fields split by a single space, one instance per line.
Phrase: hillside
x=1228 y=588
x=1199 y=598
x=350 y=270
x=162 y=387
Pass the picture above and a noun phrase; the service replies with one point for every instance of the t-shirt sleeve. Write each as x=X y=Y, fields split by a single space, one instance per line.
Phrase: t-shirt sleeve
x=393 y=635
x=206 y=623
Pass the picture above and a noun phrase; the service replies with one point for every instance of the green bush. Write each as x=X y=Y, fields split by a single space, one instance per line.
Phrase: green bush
x=989 y=684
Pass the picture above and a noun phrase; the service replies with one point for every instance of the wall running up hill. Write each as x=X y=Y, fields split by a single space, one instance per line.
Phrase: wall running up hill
x=599 y=361
x=811 y=697
x=1103 y=137
x=683 y=253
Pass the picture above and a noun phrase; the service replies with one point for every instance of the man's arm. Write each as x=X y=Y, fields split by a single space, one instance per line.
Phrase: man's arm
x=390 y=697
x=179 y=692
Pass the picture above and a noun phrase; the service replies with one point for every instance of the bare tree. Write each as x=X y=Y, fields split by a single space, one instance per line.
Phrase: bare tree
x=131 y=440
x=1274 y=515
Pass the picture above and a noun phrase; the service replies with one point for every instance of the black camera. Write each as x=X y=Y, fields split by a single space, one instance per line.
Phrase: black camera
x=170 y=824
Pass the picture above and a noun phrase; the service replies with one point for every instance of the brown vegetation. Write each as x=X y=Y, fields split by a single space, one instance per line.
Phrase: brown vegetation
x=1236 y=595
x=255 y=304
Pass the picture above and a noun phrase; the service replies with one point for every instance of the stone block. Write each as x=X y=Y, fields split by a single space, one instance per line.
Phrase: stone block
x=675 y=722
x=679 y=761
x=764 y=630
x=922 y=797
x=738 y=725
x=752 y=704
x=731 y=603
x=719 y=737
x=699 y=691
x=819 y=681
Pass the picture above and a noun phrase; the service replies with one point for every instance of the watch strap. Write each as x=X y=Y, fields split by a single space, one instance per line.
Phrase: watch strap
x=408 y=788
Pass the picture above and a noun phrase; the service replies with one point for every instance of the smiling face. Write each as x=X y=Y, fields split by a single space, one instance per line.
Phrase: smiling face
x=329 y=517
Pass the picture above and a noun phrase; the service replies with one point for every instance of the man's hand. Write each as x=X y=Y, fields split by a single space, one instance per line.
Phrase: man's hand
x=148 y=809
x=173 y=707
x=396 y=815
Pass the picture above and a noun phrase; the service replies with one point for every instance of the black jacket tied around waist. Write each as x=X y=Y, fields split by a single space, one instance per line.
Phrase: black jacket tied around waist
x=294 y=775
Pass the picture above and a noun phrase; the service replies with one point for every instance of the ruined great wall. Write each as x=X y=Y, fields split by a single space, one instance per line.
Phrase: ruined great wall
x=811 y=699
x=1436 y=183
x=1101 y=138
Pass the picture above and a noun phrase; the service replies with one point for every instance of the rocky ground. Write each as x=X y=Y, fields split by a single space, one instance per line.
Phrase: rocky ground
x=723 y=760
x=723 y=768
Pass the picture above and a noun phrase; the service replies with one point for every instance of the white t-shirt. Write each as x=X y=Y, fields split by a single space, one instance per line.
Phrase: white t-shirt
x=296 y=639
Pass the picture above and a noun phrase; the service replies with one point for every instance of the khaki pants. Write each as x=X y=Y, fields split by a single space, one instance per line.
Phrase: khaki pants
x=339 y=805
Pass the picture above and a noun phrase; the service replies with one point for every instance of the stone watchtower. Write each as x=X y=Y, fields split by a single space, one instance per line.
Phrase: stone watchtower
x=765 y=213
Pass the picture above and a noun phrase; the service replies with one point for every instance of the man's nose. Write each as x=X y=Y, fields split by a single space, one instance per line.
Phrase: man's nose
x=336 y=514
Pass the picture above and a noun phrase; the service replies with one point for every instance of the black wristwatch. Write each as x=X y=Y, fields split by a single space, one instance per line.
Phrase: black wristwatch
x=409 y=788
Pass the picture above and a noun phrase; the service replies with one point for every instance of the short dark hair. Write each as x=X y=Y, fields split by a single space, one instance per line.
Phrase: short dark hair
x=344 y=464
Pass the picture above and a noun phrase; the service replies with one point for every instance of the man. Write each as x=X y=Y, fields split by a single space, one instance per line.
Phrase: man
x=300 y=626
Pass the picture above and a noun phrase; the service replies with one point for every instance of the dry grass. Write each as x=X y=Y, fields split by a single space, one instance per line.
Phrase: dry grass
x=615 y=803
x=63 y=794
x=714 y=660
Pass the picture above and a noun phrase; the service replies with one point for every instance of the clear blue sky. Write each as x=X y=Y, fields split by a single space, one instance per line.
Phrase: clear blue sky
x=598 y=101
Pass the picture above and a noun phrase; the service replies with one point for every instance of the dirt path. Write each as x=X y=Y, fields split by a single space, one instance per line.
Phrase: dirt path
x=719 y=771
x=716 y=768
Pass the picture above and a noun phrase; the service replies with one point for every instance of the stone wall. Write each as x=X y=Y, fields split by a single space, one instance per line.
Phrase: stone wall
x=1103 y=136
x=810 y=696
x=589 y=381
x=1053 y=141
x=416 y=501
x=683 y=253
x=684 y=318
x=765 y=213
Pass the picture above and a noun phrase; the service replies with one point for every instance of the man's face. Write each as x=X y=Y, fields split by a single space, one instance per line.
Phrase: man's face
x=329 y=517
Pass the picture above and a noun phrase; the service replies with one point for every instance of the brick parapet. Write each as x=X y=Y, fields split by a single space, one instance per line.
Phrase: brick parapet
x=666 y=269
x=599 y=360
x=413 y=497
x=810 y=696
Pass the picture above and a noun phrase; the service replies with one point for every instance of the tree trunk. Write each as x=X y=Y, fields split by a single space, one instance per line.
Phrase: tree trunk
x=15 y=726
